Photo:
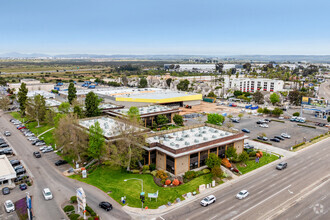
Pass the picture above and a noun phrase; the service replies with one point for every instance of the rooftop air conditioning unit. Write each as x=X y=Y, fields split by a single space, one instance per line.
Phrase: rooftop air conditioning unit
x=196 y=141
x=216 y=131
x=172 y=144
x=178 y=139
x=187 y=143
x=205 y=138
x=213 y=136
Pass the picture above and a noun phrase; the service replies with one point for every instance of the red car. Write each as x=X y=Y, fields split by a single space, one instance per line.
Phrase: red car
x=21 y=127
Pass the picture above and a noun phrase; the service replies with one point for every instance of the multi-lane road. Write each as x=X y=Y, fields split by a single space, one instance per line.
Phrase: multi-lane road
x=45 y=174
x=324 y=90
x=271 y=191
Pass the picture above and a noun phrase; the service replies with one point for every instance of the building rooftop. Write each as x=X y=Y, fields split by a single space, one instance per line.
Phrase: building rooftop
x=109 y=106
x=110 y=126
x=187 y=138
x=52 y=103
x=45 y=94
x=146 y=109
x=6 y=170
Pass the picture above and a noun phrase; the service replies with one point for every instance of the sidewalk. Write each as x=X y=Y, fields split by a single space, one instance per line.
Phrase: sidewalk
x=270 y=149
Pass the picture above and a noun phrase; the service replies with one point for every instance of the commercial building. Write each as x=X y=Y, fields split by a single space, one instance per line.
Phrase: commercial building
x=184 y=149
x=201 y=68
x=149 y=113
x=253 y=84
x=46 y=95
x=7 y=173
x=32 y=85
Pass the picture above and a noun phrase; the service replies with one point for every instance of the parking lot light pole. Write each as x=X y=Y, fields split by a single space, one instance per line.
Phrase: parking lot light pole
x=141 y=185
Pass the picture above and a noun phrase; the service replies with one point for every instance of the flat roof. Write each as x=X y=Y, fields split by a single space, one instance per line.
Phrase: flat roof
x=6 y=169
x=52 y=102
x=108 y=125
x=187 y=138
x=146 y=109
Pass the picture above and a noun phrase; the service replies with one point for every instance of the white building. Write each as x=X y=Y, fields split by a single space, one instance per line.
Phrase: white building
x=253 y=84
x=32 y=85
x=202 y=68
x=7 y=173
x=46 y=95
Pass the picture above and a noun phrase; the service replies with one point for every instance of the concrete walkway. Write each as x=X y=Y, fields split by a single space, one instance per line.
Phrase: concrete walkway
x=270 y=149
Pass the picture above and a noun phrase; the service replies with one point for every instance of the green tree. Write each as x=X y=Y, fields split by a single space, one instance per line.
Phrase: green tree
x=260 y=110
x=64 y=107
x=212 y=95
x=178 y=119
x=238 y=93
x=4 y=103
x=92 y=102
x=231 y=152
x=295 y=97
x=96 y=142
x=2 y=81
x=240 y=115
x=277 y=111
x=266 y=110
x=36 y=108
x=161 y=120
x=296 y=114
x=72 y=93
x=50 y=117
x=215 y=119
x=134 y=114
x=22 y=97
x=244 y=157
x=168 y=82
x=143 y=83
x=78 y=111
x=216 y=171
x=274 y=98
x=183 y=85
x=258 y=97
x=212 y=161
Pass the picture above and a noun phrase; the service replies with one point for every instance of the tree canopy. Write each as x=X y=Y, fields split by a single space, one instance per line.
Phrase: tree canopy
x=258 y=97
x=183 y=85
x=161 y=119
x=143 y=83
x=92 y=102
x=36 y=108
x=178 y=119
x=96 y=141
x=274 y=98
x=215 y=119
x=72 y=93
x=22 y=97
x=134 y=114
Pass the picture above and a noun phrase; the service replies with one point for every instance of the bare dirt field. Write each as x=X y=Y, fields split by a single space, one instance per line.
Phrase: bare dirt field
x=206 y=107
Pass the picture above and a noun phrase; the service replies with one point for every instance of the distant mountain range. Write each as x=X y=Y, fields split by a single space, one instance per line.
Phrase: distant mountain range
x=266 y=58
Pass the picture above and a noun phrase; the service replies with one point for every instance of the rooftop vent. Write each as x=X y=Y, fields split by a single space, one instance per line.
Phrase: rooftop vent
x=187 y=143
x=177 y=145
x=196 y=141
x=205 y=138
x=172 y=143
x=166 y=139
x=213 y=136
x=204 y=132
x=216 y=131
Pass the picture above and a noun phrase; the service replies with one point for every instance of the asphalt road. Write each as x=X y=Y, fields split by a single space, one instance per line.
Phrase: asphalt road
x=51 y=71
x=269 y=189
x=47 y=175
x=324 y=90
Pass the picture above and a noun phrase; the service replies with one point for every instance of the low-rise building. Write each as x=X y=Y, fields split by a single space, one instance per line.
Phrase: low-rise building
x=253 y=84
x=184 y=149
x=7 y=173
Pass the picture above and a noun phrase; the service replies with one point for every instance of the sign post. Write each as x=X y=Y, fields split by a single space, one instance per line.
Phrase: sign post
x=81 y=199
x=29 y=206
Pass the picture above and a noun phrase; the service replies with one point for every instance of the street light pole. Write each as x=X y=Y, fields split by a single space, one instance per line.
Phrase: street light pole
x=141 y=186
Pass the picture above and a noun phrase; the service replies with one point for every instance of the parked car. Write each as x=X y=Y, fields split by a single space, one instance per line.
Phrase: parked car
x=281 y=165
x=40 y=143
x=47 y=149
x=20 y=171
x=261 y=121
x=23 y=186
x=21 y=177
x=47 y=194
x=246 y=130
x=267 y=120
x=208 y=200
x=32 y=138
x=36 y=154
x=4 y=145
x=285 y=135
x=18 y=167
x=7 y=133
x=247 y=146
x=29 y=134
x=9 y=206
x=15 y=162
x=281 y=118
x=275 y=139
x=60 y=162
x=105 y=205
x=36 y=141
x=263 y=138
x=279 y=137
x=6 y=151
x=21 y=127
x=263 y=125
x=242 y=194
x=5 y=190
x=293 y=118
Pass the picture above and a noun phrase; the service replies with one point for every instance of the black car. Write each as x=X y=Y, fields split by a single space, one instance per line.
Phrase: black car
x=18 y=167
x=105 y=205
x=246 y=130
x=21 y=177
x=36 y=141
x=60 y=162
x=267 y=120
x=14 y=162
x=281 y=165
x=5 y=190
x=23 y=186
x=279 y=137
x=6 y=151
x=37 y=154
x=20 y=171
x=235 y=120
x=4 y=145
x=275 y=139
x=263 y=138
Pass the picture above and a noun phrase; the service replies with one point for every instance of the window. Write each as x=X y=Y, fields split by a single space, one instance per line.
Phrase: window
x=265 y=86
x=213 y=150
x=203 y=156
x=193 y=161
x=222 y=151
x=153 y=156
x=169 y=164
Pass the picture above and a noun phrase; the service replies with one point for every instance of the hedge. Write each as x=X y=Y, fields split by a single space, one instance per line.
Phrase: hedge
x=298 y=145
x=68 y=208
x=278 y=120
x=317 y=137
x=265 y=142
x=74 y=216
x=308 y=126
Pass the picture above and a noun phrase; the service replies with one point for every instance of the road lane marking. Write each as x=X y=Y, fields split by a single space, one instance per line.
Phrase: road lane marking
x=242 y=213
x=161 y=217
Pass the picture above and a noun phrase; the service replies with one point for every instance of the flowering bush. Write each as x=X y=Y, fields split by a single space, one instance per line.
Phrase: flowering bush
x=226 y=162
x=176 y=182
x=167 y=182
x=161 y=174
x=257 y=155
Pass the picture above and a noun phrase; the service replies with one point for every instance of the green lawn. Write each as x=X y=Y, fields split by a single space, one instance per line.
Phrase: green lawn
x=252 y=165
x=110 y=179
x=47 y=137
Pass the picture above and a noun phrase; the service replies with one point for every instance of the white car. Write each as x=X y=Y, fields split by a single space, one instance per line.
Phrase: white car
x=7 y=133
x=9 y=206
x=47 y=194
x=208 y=200
x=263 y=125
x=33 y=138
x=242 y=194
x=285 y=135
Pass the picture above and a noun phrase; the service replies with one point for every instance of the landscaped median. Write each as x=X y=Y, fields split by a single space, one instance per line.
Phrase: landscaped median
x=252 y=164
x=312 y=141
x=111 y=181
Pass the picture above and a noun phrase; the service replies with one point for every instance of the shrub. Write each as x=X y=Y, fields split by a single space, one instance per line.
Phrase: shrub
x=136 y=171
x=212 y=161
x=168 y=182
x=308 y=126
x=296 y=114
x=90 y=210
x=261 y=154
x=190 y=174
x=152 y=167
x=216 y=171
x=231 y=152
x=154 y=173
x=74 y=216
x=90 y=218
x=161 y=174
x=176 y=182
x=298 y=145
x=147 y=172
x=199 y=173
x=226 y=162
x=317 y=137
x=145 y=167
x=68 y=208
x=252 y=154
x=244 y=156
x=205 y=171
x=257 y=155
x=73 y=199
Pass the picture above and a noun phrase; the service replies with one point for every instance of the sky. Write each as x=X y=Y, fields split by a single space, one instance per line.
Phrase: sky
x=194 y=27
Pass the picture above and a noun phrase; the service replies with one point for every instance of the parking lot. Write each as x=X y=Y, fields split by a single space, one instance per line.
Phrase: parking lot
x=298 y=133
